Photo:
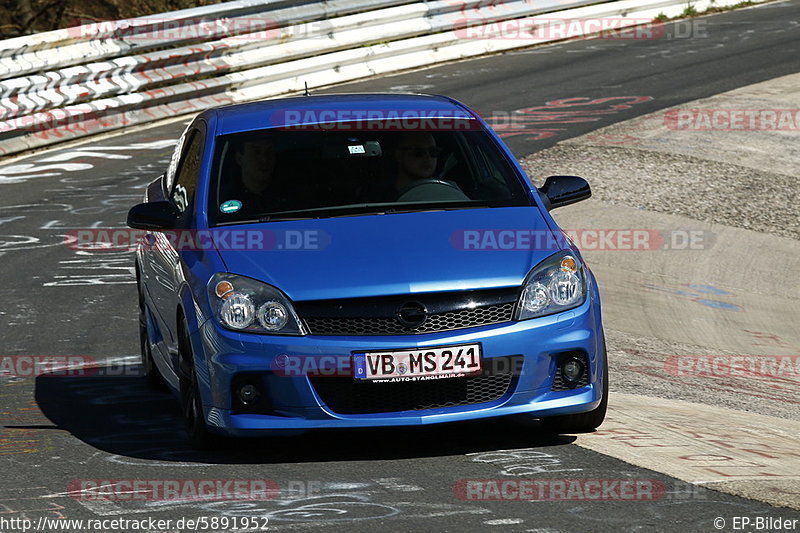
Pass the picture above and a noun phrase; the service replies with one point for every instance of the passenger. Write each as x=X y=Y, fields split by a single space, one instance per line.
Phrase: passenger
x=256 y=160
x=258 y=186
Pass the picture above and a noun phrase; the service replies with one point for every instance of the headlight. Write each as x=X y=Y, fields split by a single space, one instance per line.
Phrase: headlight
x=244 y=304
x=273 y=316
x=556 y=284
x=237 y=311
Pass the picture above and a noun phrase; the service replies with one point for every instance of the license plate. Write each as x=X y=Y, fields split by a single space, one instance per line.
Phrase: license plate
x=419 y=363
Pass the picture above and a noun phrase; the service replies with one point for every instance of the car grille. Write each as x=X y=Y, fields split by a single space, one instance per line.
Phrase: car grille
x=492 y=314
x=378 y=316
x=348 y=396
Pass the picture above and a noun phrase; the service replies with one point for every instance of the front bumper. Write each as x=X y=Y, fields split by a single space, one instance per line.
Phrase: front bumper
x=295 y=404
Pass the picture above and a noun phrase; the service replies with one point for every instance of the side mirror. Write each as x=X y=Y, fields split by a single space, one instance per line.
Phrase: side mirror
x=153 y=216
x=559 y=191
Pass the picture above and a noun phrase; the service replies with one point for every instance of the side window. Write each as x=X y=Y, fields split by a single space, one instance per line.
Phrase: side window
x=173 y=160
x=492 y=179
x=487 y=169
x=188 y=170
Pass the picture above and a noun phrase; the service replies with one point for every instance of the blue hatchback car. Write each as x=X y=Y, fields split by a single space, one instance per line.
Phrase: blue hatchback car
x=362 y=260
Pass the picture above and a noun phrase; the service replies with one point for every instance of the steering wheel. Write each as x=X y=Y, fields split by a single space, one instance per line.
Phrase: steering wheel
x=432 y=189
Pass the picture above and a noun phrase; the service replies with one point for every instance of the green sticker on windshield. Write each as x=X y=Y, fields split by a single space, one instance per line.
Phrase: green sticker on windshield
x=230 y=206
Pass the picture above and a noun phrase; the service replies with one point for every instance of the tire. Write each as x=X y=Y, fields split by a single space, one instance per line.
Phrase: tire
x=191 y=404
x=152 y=377
x=582 y=422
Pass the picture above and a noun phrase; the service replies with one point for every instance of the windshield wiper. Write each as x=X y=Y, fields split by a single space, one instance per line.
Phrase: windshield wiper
x=326 y=212
x=362 y=209
x=260 y=220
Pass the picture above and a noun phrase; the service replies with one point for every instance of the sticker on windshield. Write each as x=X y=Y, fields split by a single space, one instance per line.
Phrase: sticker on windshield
x=358 y=149
x=230 y=206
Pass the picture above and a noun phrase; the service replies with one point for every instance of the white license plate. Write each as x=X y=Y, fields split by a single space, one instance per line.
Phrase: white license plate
x=418 y=363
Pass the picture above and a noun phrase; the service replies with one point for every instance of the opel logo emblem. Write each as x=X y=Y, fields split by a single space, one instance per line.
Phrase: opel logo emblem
x=412 y=314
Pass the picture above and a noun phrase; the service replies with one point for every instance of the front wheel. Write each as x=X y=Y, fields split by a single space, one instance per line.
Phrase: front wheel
x=191 y=404
x=582 y=422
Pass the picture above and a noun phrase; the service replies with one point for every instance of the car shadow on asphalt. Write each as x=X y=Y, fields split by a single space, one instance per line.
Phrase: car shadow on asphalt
x=119 y=415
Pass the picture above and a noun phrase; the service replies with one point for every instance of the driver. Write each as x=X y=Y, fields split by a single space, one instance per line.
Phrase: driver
x=414 y=159
x=416 y=156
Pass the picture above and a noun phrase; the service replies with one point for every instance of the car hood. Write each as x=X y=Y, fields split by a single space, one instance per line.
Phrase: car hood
x=403 y=253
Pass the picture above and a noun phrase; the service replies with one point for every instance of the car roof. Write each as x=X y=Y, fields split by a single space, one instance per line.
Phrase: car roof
x=300 y=110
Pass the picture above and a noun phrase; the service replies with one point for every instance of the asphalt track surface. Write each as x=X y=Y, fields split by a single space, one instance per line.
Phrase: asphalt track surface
x=57 y=301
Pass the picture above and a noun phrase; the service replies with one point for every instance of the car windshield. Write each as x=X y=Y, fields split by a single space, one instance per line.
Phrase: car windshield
x=284 y=174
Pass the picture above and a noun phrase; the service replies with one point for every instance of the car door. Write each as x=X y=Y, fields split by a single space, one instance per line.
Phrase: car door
x=182 y=183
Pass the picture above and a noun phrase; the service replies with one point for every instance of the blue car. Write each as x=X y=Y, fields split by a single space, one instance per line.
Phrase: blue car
x=362 y=260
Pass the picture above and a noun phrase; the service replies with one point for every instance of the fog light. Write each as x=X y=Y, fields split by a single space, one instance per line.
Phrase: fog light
x=248 y=393
x=572 y=369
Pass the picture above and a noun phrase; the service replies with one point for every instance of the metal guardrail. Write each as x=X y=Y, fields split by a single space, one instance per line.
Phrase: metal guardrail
x=94 y=41
x=71 y=83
